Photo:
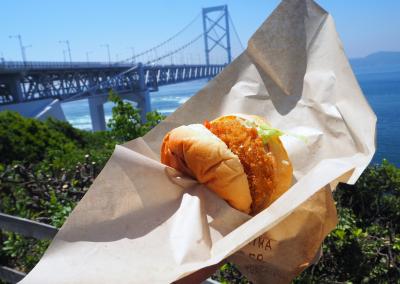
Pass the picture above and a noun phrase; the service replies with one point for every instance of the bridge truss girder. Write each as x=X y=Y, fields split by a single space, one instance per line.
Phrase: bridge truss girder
x=77 y=84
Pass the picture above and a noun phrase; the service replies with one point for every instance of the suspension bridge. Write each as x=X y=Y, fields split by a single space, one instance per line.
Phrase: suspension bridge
x=36 y=89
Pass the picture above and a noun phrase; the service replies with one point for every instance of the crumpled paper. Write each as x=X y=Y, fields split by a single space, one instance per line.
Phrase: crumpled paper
x=143 y=222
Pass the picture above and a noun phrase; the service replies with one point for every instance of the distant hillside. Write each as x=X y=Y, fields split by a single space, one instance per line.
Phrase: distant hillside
x=383 y=61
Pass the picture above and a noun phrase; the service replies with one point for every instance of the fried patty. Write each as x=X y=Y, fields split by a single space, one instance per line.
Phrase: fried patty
x=257 y=161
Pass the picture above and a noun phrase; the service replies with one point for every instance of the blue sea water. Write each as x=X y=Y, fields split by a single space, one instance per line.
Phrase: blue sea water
x=166 y=101
x=382 y=91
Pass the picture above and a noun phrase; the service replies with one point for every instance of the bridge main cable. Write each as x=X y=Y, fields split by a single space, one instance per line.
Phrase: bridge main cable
x=176 y=50
x=162 y=43
x=94 y=87
x=236 y=33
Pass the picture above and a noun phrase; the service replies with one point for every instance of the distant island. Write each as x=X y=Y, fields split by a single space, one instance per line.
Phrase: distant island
x=378 y=62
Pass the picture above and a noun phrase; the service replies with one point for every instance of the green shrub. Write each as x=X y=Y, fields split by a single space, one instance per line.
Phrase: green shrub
x=228 y=273
x=24 y=139
x=365 y=246
x=126 y=123
x=50 y=144
x=46 y=168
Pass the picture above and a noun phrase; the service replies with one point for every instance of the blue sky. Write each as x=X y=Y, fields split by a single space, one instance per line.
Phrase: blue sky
x=364 y=26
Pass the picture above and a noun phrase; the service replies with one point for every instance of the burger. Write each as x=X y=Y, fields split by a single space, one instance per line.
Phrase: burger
x=239 y=157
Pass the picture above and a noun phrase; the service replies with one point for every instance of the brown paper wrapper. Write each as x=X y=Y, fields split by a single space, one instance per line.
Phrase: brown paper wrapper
x=143 y=222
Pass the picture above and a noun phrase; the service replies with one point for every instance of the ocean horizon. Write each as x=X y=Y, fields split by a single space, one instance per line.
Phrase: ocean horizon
x=381 y=89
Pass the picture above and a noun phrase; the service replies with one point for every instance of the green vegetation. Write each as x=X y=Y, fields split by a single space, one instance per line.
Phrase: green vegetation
x=228 y=273
x=49 y=145
x=125 y=123
x=46 y=168
x=365 y=246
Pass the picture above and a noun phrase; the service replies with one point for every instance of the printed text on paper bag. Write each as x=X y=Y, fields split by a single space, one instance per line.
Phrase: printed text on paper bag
x=260 y=243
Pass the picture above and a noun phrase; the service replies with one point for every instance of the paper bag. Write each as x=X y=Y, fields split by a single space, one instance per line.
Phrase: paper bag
x=143 y=222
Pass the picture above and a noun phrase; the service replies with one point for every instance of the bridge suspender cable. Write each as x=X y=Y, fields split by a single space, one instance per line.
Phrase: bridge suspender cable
x=93 y=88
x=176 y=50
x=236 y=33
x=152 y=49
x=106 y=82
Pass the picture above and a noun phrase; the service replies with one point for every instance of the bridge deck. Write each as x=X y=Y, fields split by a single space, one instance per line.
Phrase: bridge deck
x=12 y=67
x=22 y=82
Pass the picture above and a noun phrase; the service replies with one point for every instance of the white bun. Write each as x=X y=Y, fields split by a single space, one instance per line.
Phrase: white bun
x=195 y=151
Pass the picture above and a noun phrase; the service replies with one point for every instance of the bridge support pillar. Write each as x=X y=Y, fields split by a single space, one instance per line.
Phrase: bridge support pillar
x=144 y=104
x=97 y=112
x=14 y=83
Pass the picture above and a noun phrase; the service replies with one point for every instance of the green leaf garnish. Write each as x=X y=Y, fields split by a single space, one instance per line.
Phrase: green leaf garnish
x=266 y=131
